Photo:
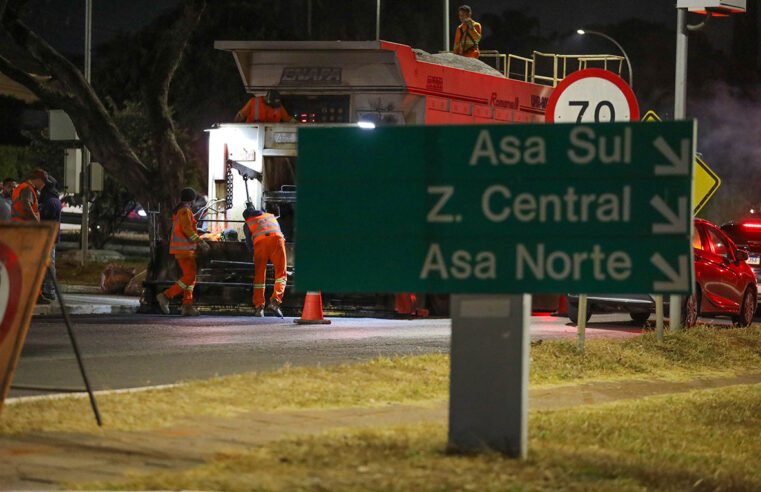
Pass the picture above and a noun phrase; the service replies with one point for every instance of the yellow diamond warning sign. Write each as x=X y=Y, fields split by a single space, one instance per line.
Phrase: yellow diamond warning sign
x=706 y=181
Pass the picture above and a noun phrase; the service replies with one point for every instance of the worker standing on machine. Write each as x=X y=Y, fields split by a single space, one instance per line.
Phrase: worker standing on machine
x=264 y=237
x=183 y=246
x=468 y=34
x=268 y=109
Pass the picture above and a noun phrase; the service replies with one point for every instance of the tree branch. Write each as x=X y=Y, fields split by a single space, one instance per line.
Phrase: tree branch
x=94 y=125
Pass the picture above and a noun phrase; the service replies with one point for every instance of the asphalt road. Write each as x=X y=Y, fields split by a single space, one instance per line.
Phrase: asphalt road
x=128 y=351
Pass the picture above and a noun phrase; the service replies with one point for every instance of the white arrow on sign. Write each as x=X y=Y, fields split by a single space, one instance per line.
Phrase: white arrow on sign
x=677 y=281
x=679 y=165
x=676 y=222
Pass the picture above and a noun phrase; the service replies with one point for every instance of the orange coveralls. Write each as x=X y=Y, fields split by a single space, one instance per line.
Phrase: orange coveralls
x=257 y=110
x=466 y=39
x=269 y=245
x=183 y=246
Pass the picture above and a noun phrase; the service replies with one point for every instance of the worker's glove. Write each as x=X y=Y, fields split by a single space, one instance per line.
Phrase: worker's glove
x=204 y=246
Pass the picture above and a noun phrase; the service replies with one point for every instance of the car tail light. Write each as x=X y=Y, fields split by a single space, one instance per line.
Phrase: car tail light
x=752 y=225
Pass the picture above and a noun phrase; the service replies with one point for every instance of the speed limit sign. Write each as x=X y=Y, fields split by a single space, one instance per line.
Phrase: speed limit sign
x=592 y=95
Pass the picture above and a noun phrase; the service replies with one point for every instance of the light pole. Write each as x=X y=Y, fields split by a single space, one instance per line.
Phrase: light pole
x=583 y=32
x=85 y=226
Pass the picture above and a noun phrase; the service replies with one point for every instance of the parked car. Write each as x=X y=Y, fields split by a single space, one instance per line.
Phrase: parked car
x=724 y=285
x=746 y=233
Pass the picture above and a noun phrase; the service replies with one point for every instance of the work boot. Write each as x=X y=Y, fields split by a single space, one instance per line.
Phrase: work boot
x=189 y=310
x=163 y=303
x=274 y=306
x=259 y=312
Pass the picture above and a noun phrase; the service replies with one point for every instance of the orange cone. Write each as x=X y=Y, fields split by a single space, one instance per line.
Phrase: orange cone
x=562 y=309
x=312 y=312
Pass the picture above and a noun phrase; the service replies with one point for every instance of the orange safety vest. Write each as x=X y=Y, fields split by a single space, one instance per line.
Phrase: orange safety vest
x=466 y=41
x=181 y=244
x=257 y=110
x=18 y=211
x=263 y=225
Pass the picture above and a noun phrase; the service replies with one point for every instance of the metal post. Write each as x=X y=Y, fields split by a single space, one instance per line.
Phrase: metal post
x=680 y=112
x=77 y=354
x=659 y=318
x=446 y=25
x=377 y=20
x=581 y=326
x=85 y=226
x=488 y=396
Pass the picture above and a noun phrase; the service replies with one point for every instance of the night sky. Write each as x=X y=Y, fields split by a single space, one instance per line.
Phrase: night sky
x=61 y=22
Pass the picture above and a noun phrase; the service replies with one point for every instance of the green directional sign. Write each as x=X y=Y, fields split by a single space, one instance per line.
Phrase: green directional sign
x=496 y=209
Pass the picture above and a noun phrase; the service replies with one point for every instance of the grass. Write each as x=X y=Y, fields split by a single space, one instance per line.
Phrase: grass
x=89 y=274
x=700 y=352
x=624 y=446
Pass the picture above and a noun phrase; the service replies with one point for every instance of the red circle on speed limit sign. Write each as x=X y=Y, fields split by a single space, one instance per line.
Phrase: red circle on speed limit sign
x=10 y=288
x=592 y=95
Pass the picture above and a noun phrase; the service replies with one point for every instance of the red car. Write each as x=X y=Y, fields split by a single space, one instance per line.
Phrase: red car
x=724 y=285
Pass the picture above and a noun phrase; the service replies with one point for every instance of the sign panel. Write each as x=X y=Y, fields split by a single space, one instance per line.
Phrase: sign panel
x=705 y=183
x=24 y=257
x=592 y=95
x=496 y=209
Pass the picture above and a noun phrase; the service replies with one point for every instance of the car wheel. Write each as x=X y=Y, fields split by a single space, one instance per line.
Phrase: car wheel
x=747 y=310
x=639 y=318
x=691 y=309
x=573 y=312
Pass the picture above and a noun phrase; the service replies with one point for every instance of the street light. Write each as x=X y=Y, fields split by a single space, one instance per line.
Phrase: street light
x=582 y=32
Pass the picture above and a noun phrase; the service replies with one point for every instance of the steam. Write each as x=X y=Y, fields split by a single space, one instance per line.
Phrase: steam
x=729 y=137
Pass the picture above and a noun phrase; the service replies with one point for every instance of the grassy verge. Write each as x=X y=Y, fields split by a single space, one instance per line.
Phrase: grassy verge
x=625 y=446
x=701 y=352
x=89 y=274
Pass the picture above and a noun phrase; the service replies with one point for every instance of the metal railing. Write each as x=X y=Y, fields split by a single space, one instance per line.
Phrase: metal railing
x=560 y=66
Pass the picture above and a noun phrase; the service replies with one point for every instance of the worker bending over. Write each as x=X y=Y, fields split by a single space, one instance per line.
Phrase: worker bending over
x=264 y=236
x=268 y=109
x=183 y=246
x=468 y=34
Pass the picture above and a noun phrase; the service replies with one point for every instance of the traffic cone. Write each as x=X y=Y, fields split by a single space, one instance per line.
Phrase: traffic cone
x=312 y=312
x=562 y=309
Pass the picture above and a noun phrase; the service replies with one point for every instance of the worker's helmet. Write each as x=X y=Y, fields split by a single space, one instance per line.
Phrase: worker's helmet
x=273 y=98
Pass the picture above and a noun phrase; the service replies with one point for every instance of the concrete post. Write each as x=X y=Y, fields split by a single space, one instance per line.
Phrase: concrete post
x=488 y=401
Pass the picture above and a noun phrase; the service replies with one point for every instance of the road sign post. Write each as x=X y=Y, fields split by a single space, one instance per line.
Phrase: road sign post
x=494 y=210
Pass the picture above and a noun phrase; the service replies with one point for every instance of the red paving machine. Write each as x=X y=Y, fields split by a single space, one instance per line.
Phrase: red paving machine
x=350 y=83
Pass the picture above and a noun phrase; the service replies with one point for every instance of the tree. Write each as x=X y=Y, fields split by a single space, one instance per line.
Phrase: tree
x=154 y=182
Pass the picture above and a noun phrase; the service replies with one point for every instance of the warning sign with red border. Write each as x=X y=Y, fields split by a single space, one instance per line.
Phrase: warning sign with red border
x=24 y=257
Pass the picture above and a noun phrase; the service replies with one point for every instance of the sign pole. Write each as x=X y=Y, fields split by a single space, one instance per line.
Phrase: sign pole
x=659 y=318
x=680 y=112
x=581 y=326
x=488 y=402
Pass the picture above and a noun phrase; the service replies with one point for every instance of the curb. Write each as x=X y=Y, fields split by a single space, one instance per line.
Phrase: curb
x=81 y=309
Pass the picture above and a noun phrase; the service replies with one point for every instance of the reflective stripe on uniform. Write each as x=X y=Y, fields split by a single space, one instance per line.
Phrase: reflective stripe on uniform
x=260 y=286
x=280 y=280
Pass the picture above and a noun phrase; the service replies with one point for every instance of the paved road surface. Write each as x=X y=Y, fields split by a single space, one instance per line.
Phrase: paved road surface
x=123 y=351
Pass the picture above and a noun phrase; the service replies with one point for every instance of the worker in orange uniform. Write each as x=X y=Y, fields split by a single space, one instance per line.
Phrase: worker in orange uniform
x=24 y=201
x=183 y=246
x=264 y=236
x=268 y=109
x=468 y=34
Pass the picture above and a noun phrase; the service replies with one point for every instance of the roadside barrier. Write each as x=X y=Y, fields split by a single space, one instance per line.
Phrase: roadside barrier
x=312 y=312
